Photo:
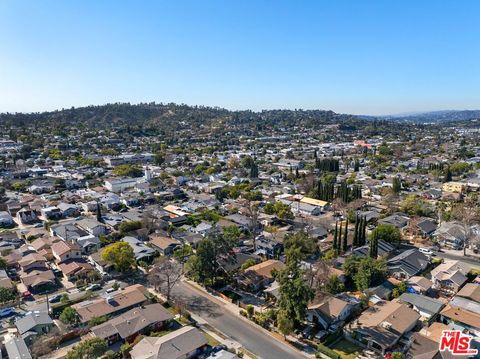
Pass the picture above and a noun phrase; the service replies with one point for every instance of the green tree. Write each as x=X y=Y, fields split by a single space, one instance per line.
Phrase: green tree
x=345 y=238
x=387 y=233
x=7 y=294
x=301 y=240
x=370 y=272
x=232 y=234
x=89 y=349
x=284 y=323
x=248 y=263
x=120 y=255
x=396 y=184
x=3 y=263
x=129 y=226
x=69 y=316
x=97 y=321
x=373 y=246
x=295 y=293
x=99 y=212
x=203 y=265
x=334 y=285
x=128 y=170
x=183 y=253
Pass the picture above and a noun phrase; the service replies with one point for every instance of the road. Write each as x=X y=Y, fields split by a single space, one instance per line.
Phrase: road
x=460 y=257
x=249 y=336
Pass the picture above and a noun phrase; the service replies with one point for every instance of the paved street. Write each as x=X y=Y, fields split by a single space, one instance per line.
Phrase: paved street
x=251 y=337
x=458 y=255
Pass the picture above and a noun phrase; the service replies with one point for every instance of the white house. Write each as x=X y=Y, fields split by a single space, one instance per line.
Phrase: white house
x=120 y=184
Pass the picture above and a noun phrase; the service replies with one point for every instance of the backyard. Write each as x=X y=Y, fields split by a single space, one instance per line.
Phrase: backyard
x=346 y=349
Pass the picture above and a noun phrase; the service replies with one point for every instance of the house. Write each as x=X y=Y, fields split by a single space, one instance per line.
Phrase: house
x=419 y=285
x=203 y=228
x=427 y=307
x=38 y=280
x=398 y=220
x=141 y=251
x=464 y=319
x=67 y=232
x=33 y=325
x=165 y=245
x=243 y=222
x=426 y=227
x=381 y=327
x=450 y=276
x=112 y=303
x=184 y=343
x=32 y=261
x=259 y=275
x=74 y=269
x=328 y=311
x=407 y=264
x=127 y=326
x=63 y=251
x=88 y=244
x=451 y=235
x=305 y=208
x=470 y=291
x=26 y=216
x=6 y=220
x=120 y=184
x=268 y=247
x=92 y=226
x=380 y=292
x=384 y=249
x=454 y=187
x=68 y=210
x=51 y=213
x=16 y=348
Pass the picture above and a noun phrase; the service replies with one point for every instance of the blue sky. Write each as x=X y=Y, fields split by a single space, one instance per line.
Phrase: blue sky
x=364 y=57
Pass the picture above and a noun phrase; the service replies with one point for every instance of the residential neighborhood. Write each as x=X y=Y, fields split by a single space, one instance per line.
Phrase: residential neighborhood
x=313 y=241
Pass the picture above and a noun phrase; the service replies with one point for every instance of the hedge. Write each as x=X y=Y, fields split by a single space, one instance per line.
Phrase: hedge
x=327 y=351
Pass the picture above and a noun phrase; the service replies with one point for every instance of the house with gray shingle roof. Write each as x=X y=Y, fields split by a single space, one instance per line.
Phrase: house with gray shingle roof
x=425 y=306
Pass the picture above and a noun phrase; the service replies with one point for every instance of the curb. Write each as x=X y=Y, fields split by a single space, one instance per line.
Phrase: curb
x=236 y=313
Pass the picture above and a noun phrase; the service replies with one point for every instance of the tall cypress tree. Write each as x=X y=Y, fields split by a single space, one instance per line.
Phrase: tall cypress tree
x=345 y=238
x=373 y=249
x=339 y=239
x=335 y=237
x=99 y=212
x=355 y=233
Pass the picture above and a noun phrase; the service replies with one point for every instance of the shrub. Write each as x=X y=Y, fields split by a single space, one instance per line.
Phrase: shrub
x=327 y=351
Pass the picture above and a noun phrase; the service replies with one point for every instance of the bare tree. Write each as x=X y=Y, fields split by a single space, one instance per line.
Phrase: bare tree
x=149 y=221
x=467 y=214
x=46 y=343
x=164 y=275
x=318 y=274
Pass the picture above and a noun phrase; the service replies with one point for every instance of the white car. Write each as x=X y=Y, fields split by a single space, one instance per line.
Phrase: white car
x=426 y=251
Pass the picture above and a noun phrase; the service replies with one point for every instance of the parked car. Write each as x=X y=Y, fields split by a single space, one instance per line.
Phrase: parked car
x=426 y=251
x=7 y=312
x=94 y=286
x=55 y=298
x=307 y=333
x=322 y=334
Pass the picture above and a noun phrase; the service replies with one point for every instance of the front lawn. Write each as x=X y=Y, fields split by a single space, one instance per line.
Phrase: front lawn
x=346 y=349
